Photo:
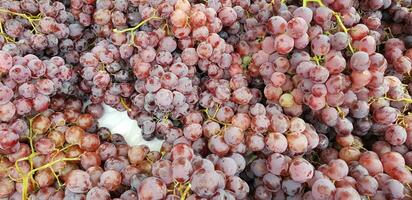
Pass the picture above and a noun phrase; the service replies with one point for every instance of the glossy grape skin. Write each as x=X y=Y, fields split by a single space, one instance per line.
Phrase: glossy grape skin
x=238 y=186
x=137 y=153
x=9 y=139
x=202 y=187
x=371 y=162
x=8 y=187
x=393 y=189
x=323 y=189
x=300 y=170
x=277 y=163
x=152 y=188
x=78 y=181
x=276 y=142
x=97 y=192
x=337 y=169
x=346 y=192
x=110 y=180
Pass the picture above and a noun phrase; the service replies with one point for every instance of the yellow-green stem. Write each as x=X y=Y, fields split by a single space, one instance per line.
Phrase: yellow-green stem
x=29 y=18
x=185 y=193
x=133 y=29
x=124 y=104
x=337 y=16
x=340 y=112
x=57 y=178
x=406 y=100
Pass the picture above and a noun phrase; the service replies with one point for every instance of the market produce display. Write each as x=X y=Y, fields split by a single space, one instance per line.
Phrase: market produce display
x=263 y=100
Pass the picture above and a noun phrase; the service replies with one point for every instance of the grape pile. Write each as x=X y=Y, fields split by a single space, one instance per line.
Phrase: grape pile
x=263 y=99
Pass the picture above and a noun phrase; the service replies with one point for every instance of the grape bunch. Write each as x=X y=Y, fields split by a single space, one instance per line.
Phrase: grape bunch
x=265 y=99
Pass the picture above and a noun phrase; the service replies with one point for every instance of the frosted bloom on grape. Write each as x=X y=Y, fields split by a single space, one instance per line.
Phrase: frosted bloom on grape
x=164 y=58
x=305 y=13
x=198 y=19
x=260 y=123
x=204 y=182
x=393 y=189
x=152 y=84
x=164 y=97
x=233 y=136
x=395 y=135
x=268 y=45
x=8 y=139
x=6 y=62
x=13 y=27
x=272 y=182
x=255 y=141
x=242 y=96
x=238 y=186
x=278 y=79
x=323 y=189
x=227 y=165
x=102 y=16
x=20 y=73
x=320 y=45
x=339 y=41
x=297 y=143
x=178 y=98
x=193 y=131
x=227 y=15
x=385 y=115
x=222 y=93
x=178 y=18
x=284 y=44
x=301 y=170
x=78 y=181
x=179 y=69
x=276 y=25
x=217 y=145
x=337 y=169
x=169 y=80
x=7 y=111
x=89 y=60
x=367 y=185
x=291 y=187
x=359 y=61
x=296 y=27
x=111 y=180
x=189 y=56
x=366 y=44
x=98 y=193
x=286 y=100
x=318 y=74
x=184 y=85
x=152 y=188
x=276 y=142
x=204 y=50
x=347 y=193
x=6 y=94
x=302 y=42
x=45 y=86
x=277 y=164
x=402 y=64
x=200 y=34
x=36 y=67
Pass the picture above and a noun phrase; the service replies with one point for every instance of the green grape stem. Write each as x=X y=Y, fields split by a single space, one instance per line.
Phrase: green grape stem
x=337 y=16
x=32 y=19
x=185 y=192
x=133 y=29
x=28 y=177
